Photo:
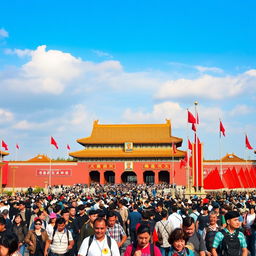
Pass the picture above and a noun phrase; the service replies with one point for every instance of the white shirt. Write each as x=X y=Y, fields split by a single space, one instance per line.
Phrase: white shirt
x=60 y=241
x=98 y=248
x=176 y=220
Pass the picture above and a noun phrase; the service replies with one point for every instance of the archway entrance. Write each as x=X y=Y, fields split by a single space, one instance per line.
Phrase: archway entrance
x=94 y=177
x=130 y=177
x=109 y=177
x=149 y=177
x=164 y=177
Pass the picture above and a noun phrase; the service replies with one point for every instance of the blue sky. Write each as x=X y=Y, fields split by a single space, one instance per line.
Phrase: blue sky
x=64 y=64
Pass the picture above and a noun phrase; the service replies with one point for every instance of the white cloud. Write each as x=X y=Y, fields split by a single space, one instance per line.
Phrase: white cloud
x=207 y=86
x=208 y=116
x=240 y=110
x=160 y=112
x=5 y=115
x=208 y=69
x=19 y=52
x=3 y=33
x=251 y=72
x=24 y=125
x=102 y=54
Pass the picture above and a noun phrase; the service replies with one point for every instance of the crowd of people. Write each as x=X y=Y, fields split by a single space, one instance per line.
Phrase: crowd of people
x=126 y=219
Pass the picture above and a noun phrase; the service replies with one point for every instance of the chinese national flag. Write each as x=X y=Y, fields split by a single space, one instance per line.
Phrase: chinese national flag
x=247 y=143
x=174 y=148
x=54 y=143
x=68 y=147
x=191 y=118
x=222 y=129
x=189 y=145
x=4 y=145
x=17 y=146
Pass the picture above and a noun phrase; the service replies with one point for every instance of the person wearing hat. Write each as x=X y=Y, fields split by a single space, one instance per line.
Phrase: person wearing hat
x=51 y=223
x=230 y=240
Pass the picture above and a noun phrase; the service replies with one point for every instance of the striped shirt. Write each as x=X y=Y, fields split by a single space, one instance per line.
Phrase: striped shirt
x=219 y=237
x=117 y=232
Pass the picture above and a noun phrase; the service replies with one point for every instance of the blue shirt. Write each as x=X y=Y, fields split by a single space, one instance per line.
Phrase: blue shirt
x=135 y=218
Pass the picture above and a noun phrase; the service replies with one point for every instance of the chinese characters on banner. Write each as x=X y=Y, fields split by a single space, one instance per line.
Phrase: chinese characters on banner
x=101 y=166
x=55 y=172
x=156 y=166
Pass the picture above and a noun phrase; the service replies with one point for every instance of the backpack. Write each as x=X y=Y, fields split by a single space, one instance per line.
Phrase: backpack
x=54 y=231
x=90 y=242
x=152 y=250
x=209 y=238
x=230 y=245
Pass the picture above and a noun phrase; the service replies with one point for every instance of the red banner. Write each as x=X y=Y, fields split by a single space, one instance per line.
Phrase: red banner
x=102 y=166
x=197 y=164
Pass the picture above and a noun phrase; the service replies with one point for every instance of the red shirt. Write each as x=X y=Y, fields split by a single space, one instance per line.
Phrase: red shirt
x=144 y=251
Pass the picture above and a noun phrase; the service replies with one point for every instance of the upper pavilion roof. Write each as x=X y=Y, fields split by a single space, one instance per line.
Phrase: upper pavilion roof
x=136 y=133
x=120 y=153
x=2 y=153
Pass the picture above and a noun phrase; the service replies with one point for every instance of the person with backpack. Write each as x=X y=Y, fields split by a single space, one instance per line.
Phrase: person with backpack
x=195 y=241
x=142 y=246
x=164 y=229
x=230 y=241
x=178 y=240
x=60 y=241
x=210 y=231
x=99 y=244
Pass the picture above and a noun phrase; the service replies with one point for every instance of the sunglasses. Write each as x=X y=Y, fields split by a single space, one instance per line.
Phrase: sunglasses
x=38 y=224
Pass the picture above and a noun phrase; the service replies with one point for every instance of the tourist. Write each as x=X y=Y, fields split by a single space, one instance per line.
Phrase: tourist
x=195 y=240
x=9 y=245
x=222 y=240
x=164 y=229
x=60 y=241
x=210 y=231
x=36 y=239
x=249 y=233
x=142 y=246
x=87 y=229
x=175 y=218
x=19 y=228
x=178 y=240
x=133 y=219
x=99 y=243
x=202 y=220
x=51 y=223
x=115 y=230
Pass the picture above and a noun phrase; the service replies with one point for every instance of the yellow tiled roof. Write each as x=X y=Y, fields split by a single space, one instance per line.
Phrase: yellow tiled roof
x=120 y=153
x=136 y=133
x=2 y=153
x=229 y=158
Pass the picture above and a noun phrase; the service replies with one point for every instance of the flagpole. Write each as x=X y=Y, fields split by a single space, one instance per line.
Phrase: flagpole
x=50 y=173
x=187 y=171
x=196 y=163
x=220 y=153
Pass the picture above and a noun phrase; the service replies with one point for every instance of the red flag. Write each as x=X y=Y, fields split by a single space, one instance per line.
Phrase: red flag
x=193 y=127
x=54 y=143
x=4 y=145
x=189 y=145
x=247 y=143
x=191 y=118
x=68 y=147
x=17 y=146
x=222 y=129
x=174 y=148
